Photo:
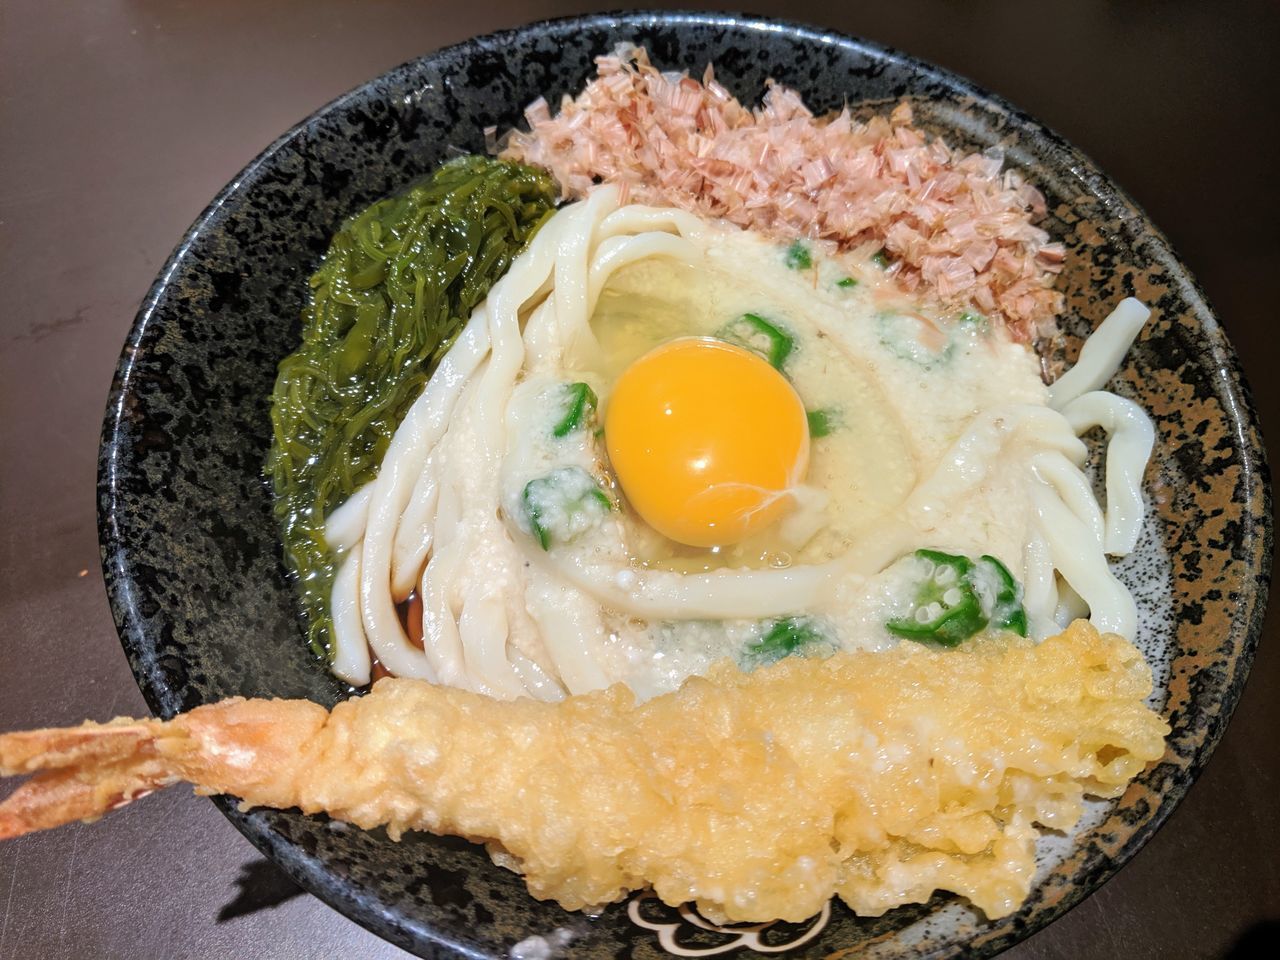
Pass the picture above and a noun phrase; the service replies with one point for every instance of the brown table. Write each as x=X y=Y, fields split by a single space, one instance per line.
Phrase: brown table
x=119 y=120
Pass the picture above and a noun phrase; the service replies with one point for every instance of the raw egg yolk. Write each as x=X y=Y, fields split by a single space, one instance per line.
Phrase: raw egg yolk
x=706 y=439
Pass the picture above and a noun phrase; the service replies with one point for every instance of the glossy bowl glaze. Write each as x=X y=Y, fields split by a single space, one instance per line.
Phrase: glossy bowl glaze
x=193 y=563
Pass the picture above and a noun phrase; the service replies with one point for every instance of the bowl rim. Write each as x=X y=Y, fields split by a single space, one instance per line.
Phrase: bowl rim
x=309 y=870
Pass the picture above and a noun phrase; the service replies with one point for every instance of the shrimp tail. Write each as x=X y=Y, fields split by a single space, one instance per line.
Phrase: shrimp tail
x=58 y=797
x=80 y=773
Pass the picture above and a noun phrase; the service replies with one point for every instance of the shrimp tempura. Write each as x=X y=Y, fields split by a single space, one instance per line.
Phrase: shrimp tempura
x=878 y=777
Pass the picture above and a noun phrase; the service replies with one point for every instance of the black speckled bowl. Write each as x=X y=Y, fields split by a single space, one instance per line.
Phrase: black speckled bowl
x=193 y=565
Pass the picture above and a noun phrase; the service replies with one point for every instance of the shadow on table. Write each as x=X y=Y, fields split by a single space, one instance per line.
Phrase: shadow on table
x=262 y=886
x=1260 y=940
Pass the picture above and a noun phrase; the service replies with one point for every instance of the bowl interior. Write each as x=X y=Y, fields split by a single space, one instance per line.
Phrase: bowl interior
x=191 y=553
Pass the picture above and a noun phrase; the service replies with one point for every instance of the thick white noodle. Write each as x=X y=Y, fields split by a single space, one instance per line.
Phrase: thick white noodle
x=572 y=291
x=542 y=346
x=415 y=532
x=616 y=252
x=482 y=627
x=345 y=526
x=1132 y=436
x=571 y=628
x=1071 y=606
x=1074 y=489
x=441 y=641
x=448 y=509
x=1040 y=587
x=537 y=682
x=636 y=219
x=1102 y=353
x=425 y=423
x=977 y=451
x=506 y=618
x=721 y=594
x=1075 y=554
x=350 y=647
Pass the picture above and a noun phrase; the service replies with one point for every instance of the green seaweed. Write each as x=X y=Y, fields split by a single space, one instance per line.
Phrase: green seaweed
x=394 y=289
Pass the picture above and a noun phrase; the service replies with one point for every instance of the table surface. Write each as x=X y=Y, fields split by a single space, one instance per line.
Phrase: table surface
x=120 y=119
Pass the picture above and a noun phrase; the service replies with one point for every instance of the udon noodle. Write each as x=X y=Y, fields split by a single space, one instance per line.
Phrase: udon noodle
x=500 y=616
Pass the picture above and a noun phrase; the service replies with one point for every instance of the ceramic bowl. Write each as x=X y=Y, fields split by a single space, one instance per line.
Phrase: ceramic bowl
x=193 y=563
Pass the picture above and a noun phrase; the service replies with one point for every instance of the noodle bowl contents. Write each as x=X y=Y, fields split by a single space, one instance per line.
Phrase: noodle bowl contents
x=762 y=394
x=627 y=486
x=705 y=448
